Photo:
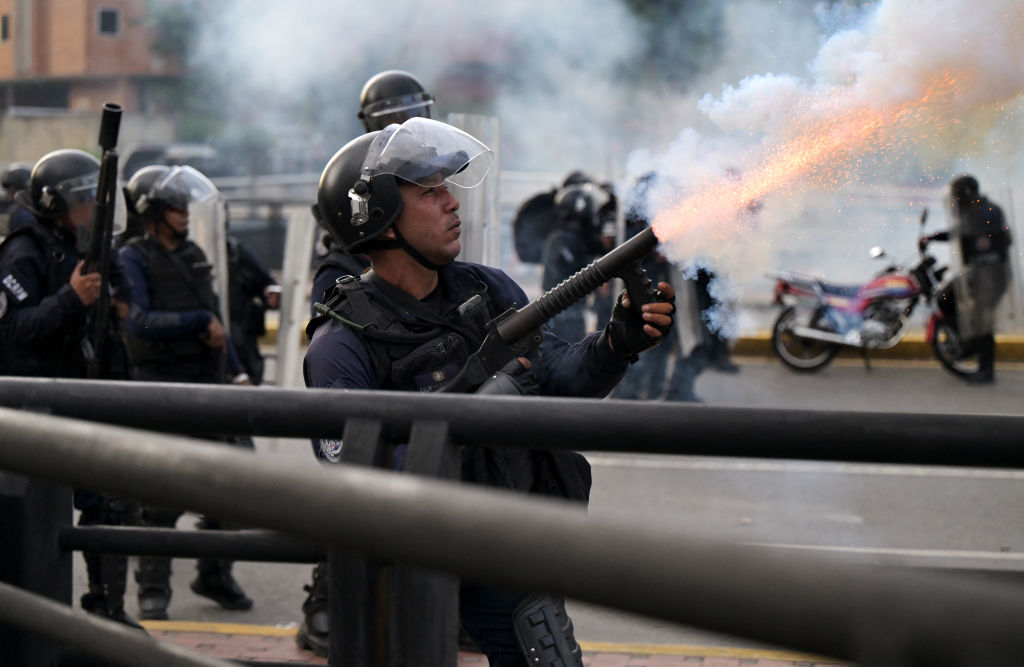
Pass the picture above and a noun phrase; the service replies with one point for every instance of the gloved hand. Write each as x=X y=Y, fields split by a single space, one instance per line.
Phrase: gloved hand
x=630 y=334
x=514 y=379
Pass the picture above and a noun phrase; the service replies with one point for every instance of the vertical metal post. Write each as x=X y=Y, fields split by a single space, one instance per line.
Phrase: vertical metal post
x=31 y=514
x=425 y=603
x=357 y=634
x=384 y=614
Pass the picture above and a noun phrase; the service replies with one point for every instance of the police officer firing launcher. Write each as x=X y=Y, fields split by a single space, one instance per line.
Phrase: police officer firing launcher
x=412 y=322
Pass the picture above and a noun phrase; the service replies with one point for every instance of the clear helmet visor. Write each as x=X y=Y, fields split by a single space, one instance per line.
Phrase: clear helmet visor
x=83 y=189
x=428 y=153
x=185 y=187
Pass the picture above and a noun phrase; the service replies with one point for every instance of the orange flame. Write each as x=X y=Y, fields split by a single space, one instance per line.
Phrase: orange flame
x=819 y=151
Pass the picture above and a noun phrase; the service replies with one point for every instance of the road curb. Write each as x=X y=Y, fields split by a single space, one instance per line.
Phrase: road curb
x=914 y=346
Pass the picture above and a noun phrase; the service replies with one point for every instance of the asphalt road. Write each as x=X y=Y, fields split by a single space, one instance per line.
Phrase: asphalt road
x=868 y=513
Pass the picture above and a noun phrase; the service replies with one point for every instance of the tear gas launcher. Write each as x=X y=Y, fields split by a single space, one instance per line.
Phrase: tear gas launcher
x=97 y=258
x=516 y=332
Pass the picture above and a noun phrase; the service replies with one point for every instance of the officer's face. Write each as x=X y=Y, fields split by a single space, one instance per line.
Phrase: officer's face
x=177 y=219
x=430 y=223
x=80 y=213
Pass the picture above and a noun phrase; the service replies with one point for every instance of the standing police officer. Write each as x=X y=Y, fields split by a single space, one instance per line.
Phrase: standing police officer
x=174 y=334
x=14 y=178
x=391 y=96
x=44 y=305
x=984 y=244
x=386 y=195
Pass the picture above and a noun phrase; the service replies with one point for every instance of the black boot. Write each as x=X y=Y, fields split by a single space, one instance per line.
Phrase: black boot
x=215 y=582
x=986 y=348
x=153 y=576
x=107 y=575
x=313 y=631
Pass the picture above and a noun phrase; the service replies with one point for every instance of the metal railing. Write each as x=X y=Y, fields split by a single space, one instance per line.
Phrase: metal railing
x=808 y=603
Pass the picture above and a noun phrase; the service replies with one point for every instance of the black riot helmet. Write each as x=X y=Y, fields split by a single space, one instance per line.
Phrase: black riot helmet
x=140 y=196
x=580 y=206
x=16 y=176
x=392 y=96
x=358 y=198
x=59 y=180
x=964 y=189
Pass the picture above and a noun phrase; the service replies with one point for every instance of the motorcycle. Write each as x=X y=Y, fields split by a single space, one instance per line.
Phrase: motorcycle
x=819 y=319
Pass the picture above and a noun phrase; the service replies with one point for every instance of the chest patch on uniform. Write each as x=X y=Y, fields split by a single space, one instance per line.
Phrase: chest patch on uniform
x=330 y=450
x=438 y=376
x=11 y=283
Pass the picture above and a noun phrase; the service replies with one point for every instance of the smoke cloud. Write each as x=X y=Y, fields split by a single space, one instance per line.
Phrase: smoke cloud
x=899 y=97
x=786 y=135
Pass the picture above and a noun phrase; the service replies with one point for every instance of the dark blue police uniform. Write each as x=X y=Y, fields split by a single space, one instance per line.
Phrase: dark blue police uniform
x=339 y=357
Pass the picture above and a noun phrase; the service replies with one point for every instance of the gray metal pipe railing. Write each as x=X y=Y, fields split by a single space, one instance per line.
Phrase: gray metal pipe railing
x=794 y=600
x=264 y=546
x=114 y=643
x=581 y=424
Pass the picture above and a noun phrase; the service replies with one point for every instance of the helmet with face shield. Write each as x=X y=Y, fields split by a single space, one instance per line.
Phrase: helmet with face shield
x=392 y=96
x=15 y=176
x=358 y=197
x=60 y=180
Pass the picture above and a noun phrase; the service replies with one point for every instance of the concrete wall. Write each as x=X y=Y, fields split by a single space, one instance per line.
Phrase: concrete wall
x=27 y=138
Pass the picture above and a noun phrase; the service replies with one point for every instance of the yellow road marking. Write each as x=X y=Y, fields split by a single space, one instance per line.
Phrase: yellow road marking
x=590 y=647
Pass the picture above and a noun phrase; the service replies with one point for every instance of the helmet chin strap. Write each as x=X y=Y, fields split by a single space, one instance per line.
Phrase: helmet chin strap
x=181 y=235
x=400 y=242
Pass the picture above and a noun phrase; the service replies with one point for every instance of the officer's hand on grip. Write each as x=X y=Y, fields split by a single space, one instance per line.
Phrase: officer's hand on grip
x=85 y=285
x=215 y=337
x=629 y=334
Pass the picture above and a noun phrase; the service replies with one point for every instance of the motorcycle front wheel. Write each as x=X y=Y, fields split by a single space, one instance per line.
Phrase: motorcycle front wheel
x=800 y=354
x=950 y=352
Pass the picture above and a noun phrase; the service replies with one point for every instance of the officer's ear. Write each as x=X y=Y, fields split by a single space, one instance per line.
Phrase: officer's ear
x=389 y=234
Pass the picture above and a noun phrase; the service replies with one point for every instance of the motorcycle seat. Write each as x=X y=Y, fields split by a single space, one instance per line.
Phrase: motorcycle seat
x=839 y=290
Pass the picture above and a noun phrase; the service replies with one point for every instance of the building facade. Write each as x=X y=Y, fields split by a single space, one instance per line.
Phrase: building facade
x=74 y=55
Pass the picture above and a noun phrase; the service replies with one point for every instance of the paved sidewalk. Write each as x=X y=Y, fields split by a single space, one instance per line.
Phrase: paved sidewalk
x=260 y=643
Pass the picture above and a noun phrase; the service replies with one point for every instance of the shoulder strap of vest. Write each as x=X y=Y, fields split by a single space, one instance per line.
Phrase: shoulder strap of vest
x=409 y=304
x=50 y=243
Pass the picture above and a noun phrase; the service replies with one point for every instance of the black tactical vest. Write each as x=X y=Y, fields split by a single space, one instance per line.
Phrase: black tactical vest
x=59 y=355
x=413 y=347
x=413 y=350
x=178 y=281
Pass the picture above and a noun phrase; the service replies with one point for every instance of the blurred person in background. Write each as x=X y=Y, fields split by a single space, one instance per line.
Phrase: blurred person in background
x=175 y=334
x=983 y=242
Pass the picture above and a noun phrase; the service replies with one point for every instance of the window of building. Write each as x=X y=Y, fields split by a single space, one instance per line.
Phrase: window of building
x=5 y=27
x=108 y=20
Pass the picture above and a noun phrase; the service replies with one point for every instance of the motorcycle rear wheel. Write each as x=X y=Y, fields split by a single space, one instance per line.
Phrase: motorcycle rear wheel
x=948 y=349
x=800 y=354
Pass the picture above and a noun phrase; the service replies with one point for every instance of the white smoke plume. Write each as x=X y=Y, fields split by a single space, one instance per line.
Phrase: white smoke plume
x=905 y=93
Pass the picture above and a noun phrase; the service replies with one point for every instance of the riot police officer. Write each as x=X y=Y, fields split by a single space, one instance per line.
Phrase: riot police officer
x=386 y=194
x=44 y=307
x=984 y=240
x=391 y=96
x=576 y=241
x=14 y=178
x=174 y=334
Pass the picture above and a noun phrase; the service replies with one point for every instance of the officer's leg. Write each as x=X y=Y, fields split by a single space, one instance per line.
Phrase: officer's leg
x=313 y=631
x=154 y=572
x=214 y=579
x=486 y=615
x=985 y=346
x=107 y=572
x=545 y=633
